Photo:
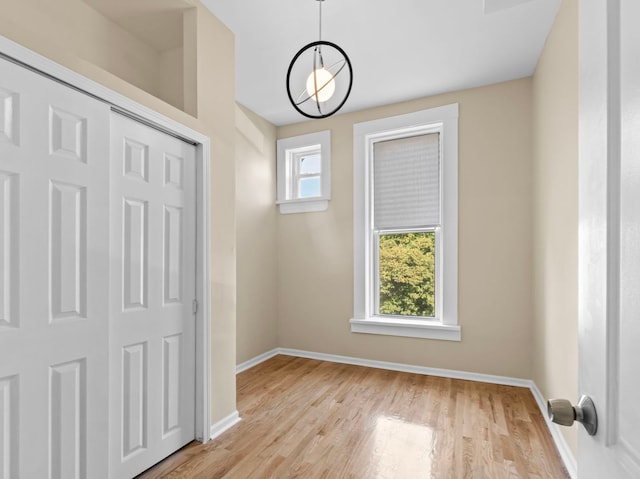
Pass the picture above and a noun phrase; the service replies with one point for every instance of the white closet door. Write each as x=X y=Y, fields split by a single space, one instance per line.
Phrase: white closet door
x=53 y=279
x=152 y=351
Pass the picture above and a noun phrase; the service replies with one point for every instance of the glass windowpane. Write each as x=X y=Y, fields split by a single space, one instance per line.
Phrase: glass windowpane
x=310 y=164
x=407 y=274
x=309 y=187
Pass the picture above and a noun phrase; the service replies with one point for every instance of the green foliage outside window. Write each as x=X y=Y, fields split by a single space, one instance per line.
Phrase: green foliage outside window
x=407 y=274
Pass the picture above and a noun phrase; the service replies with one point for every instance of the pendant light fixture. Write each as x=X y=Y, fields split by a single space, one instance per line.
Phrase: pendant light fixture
x=319 y=78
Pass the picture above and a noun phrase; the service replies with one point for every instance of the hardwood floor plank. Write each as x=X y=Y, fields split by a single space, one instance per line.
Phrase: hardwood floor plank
x=303 y=418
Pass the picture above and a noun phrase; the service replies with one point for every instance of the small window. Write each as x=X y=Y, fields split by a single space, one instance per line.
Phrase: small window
x=304 y=173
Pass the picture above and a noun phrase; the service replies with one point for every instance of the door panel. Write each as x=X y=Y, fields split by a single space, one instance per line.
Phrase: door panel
x=134 y=400
x=68 y=251
x=53 y=290
x=152 y=287
x=135 y=235
x=9 y=448
x=9 y=250
x=68 y=383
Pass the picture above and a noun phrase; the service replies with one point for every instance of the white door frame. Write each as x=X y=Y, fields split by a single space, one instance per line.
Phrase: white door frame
x=38 y=63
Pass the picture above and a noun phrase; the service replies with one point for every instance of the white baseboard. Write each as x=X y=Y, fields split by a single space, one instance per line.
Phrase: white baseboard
x=407 y=368
x=257 y=360
x=563 y=448
x=223 y=424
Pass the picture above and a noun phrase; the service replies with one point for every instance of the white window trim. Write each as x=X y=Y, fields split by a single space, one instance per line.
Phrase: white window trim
x=445 y=325
x=304 y=205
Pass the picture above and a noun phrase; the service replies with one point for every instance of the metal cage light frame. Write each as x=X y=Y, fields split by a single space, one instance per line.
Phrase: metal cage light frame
x=325 y=90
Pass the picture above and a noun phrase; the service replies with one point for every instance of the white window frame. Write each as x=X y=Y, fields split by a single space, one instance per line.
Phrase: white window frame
x=288 y=151
x=293 y=169
x=444 y=325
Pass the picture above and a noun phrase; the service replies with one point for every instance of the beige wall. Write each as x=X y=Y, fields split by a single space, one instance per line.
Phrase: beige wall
x=78 y=37
x=256 y=229
x=170 y=80
x=315 y=250
x=215 y=63
x=73 y=29
x=555 y=147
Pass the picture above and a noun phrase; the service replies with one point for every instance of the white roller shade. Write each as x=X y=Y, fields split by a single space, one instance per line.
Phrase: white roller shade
x=406 y=180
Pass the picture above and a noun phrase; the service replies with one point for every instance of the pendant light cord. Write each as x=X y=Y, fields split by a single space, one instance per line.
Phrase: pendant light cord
x=320 y=21
x=319 y=50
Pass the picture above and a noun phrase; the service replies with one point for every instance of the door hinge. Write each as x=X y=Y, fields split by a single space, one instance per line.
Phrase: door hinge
x=194 y=306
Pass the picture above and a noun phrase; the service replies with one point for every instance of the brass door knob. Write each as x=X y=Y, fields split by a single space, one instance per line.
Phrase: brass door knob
x=562 y=412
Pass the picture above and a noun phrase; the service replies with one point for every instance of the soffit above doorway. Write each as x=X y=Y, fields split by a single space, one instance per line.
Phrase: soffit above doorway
x=157 y=23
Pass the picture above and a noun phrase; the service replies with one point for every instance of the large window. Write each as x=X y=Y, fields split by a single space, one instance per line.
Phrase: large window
x=405 y=225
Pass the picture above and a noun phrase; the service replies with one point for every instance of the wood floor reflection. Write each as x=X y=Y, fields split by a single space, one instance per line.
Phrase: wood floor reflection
x=313 y=419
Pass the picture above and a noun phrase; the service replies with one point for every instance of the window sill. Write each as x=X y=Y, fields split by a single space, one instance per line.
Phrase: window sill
x=303 y=206
x=411 y=328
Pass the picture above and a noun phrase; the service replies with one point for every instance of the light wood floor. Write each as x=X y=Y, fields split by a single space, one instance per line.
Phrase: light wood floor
x=313 y=419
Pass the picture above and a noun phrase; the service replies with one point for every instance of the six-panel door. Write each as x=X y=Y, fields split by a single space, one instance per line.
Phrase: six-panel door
x=152 y=347
x=54 y=254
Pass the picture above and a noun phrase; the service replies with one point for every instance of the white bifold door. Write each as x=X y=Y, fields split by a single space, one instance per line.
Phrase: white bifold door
x=54 y=252
x=97 y=236
x=152 y=350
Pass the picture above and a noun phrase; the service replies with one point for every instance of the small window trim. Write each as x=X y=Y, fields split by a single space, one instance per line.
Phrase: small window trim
x=289 y=149
x=445 y=324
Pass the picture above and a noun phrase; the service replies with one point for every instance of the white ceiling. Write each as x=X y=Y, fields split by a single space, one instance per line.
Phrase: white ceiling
x=399 y=49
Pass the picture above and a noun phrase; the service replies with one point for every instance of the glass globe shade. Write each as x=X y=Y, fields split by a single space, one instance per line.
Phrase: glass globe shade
x=326 y=85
